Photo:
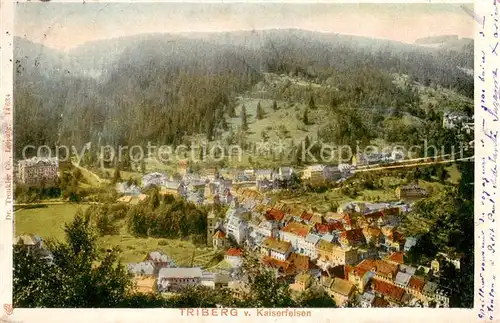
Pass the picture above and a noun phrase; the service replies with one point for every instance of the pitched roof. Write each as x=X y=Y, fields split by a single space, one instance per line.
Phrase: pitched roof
x=306 y=216
x=296 y=228
x=396 y=257
x=354 y=235
x=302 y=278
x=276 y=245
x=302 y=263
x=402 y=279
x=219 y=234
x=325 y=246
x=180 y=273
x=416 y=283
x=391 y=291
x=342 y=286
x=234 y=252
x=274 y=214
x=312 y=238
x=322 y=228
x=284 y=267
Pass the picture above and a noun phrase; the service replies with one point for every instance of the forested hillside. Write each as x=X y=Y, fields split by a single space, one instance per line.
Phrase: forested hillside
x=160 y=88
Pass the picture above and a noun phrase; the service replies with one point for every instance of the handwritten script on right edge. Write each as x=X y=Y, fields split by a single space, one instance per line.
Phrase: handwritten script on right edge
x=487 y=81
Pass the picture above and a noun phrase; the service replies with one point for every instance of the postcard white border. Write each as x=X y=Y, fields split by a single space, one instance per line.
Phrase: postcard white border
x=482 y=8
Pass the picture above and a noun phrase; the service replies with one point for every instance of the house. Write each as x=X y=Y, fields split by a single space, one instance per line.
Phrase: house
x=303 y=264
x=276 y=249
x=453 y=258
x=212 y=226
x=160 y=260
x=366 y=300
x=285 y=173
x=379 y=302
x=145 y=268
x=308 y=245
x=410 y=192
x=391 y=293
x=154 y=179
x=209 y=174
x=415 y=287
x=410 y=243
x=396 y=258
x=172 y=188
x=264 y=185
x=402 y=279
x=268 y=228
x=341 y=291
x=219 y=240
x=455 y=119
x=125 y=189
x=275 y=215
x=38 y=171
x=236 y=227
x=125 y=199
x=332 y=173
x=293 y=233
x=443 y=297
x=335 y=254
x=372 y=235
x=302 y=282
x=215 y=280
x=429 y=290
x=282 y=268
x=262 y=174
x=30 y=242
x=314 y=173
x=233 y=257
x=175 y=279
x=352 y=238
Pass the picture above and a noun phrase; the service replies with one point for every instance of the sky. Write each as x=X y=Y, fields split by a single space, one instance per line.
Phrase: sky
x=66 y=25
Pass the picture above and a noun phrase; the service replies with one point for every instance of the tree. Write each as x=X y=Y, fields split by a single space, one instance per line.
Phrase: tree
x=275 y=106
x=78 y=277
x=243 y=117
x=116 y=176
x=305 y=118
x=260 y=112
x=315 y=298
x=311 y=105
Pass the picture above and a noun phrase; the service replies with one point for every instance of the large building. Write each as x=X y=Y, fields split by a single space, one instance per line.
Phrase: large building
x=174 y=279
x=38 y=171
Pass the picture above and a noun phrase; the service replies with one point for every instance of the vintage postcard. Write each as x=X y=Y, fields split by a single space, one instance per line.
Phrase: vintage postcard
x=249 y=160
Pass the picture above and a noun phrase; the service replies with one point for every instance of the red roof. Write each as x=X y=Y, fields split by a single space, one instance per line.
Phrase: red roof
x=396 y=257
x=234 y=252
x=297 y=229
x=274 y=214
x=354 y=235
x=284 y=267
x=416 y=283
x=336 y=226
x=347 y=270
x=363 y=267
x=322 y=228
x=347 y=219
x=219 y=234
x=301 y=263
x=306 y=216
x=381 y=267
x=391 y=291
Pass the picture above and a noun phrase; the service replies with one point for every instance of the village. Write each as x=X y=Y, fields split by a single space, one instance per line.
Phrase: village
x=356 y=252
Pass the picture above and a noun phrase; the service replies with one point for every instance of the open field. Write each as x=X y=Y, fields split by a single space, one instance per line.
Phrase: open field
x=48 y=222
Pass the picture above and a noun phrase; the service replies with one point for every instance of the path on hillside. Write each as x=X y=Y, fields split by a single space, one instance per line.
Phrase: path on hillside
x=367 y=169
